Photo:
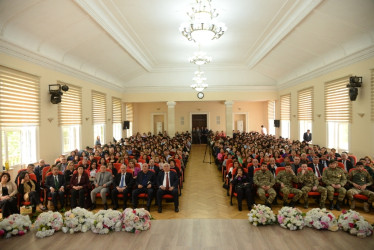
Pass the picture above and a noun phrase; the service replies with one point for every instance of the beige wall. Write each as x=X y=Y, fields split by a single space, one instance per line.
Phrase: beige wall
x=361 y=129
x=256 y=114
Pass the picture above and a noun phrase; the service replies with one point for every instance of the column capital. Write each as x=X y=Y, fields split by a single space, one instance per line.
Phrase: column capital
x=229 y=103
x=171 y=104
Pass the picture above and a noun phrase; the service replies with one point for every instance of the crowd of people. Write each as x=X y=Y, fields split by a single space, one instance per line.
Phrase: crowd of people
x=277 y=168
x=141 y=166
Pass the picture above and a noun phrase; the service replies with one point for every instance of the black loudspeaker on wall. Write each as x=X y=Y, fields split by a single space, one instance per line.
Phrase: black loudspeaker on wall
x=277 y=123
x=126 y=125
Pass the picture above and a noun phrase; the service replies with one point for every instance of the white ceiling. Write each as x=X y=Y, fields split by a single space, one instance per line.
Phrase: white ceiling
x=135 y=45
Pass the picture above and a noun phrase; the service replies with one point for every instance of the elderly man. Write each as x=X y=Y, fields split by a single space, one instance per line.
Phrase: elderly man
x=286 y=178
x=102 y=182
x=346 y=162
x=310 y=182
x=360 y=179
x=55 y=184
x=335 y=179
x=145 y=182
x=167 y=182
x=317 y=167
x=264 y=180
x=39 y=170
x=123 y=182
x=62 y=164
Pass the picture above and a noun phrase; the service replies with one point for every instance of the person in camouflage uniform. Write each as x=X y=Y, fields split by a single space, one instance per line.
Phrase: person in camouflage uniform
x=335 y=179
x=360 y=179
x=264 y=181
x=310 y=183
x=286 y=178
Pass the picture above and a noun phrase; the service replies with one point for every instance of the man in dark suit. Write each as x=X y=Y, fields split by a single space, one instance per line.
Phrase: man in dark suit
x=273 y=165
x=167 y=183
x=346 y=162
x=145 y=182
x=55 y=184
x=39 y=170
x=307 y=136
x=123 y=182
x=296 y=164
x=317 y=167
x=153 y=167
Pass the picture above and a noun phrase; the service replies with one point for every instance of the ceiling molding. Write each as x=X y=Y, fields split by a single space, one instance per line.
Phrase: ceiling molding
x=281 y=25
x=176 y=89
x=16 y=51
x=337 y=64
x=104 y=15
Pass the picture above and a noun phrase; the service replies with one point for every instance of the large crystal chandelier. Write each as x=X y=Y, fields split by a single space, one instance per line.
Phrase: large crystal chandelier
x=200 y=58
x=202 y=26
x=199 y=80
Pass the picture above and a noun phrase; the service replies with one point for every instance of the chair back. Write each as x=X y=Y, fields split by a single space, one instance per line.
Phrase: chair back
x=279 y=169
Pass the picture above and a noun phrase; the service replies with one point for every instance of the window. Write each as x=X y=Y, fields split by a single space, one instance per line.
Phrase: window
x=70 y=118
x=285 y=115
x=99 y=115
x=372 y=94
x=338 y=113
x=117 y=118
x=271 y=117
x=305 y=111
x=129 y=117
x=19 y=116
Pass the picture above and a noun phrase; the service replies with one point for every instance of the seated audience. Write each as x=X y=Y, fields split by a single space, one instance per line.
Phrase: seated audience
x=243 y=187
x=30 y=191
x=335 y=179
x=286 y=178
x=123 y=183
x=145 y=182
x=55 y=185
x=103 y=180
x=8 y=198
x=79 y=186
x=264 y=180
x=167 y=183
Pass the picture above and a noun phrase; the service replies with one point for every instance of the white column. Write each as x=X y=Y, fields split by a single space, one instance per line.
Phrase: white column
x=171 y=118
x=229 y=117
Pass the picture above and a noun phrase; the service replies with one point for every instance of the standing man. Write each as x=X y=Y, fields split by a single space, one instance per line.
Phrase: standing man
x=310 y=182
x=265 y=181
x=102 y=182
x=286 y=178
x=167 y=183
x=263 y=130
x=360 y=179
x=144 y=184
x=55 y=184
x=335 y=179
x=307 y=136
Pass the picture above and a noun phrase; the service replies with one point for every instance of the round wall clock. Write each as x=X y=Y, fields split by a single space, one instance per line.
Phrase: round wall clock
x=200 y=95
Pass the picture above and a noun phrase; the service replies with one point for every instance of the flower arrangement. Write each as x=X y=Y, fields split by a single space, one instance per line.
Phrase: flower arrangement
x=77 y=220
x=321 y=219
x=107 y=220
x=261 y=215
x=291 y=218
x=352 y=222
x=15 y=224
x=48 y=223
x=136 y=220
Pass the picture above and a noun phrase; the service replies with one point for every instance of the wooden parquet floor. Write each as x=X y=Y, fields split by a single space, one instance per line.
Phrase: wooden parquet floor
x=204 y=197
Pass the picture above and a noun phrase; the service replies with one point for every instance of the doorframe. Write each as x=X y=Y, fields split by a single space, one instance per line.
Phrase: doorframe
x=200 y=113
x=152 y=121
x=246 y=120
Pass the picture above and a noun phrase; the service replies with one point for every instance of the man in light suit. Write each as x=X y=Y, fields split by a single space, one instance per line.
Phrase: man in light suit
x=167 y=183
x=103 y=180
x=307 y=136
x=55 y=184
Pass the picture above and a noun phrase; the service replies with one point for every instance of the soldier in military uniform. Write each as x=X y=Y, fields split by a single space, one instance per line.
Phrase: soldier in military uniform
x=310 y=183
x=335 y=179
x=286 y=178
x=264 y=181
x=360 y=179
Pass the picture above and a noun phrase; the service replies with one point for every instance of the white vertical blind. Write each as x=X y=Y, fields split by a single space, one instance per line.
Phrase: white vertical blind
x=98 y=107
x=271 y=110
x=70 y=108
x=285 y=107
x=129 y=112
x=117 y=110
x=338 y=107
x=305 y=104
x=19 y=98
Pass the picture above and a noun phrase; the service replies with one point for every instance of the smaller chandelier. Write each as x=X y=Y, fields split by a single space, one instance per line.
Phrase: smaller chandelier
x=199 y=80
x=202 y=26
x=200 y=58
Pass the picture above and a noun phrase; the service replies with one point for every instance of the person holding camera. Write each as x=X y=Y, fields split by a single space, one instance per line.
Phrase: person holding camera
x=243 y=187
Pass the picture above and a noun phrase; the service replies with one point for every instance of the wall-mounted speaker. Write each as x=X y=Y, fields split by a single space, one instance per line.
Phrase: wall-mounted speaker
x=277 y=123
x=126 y=125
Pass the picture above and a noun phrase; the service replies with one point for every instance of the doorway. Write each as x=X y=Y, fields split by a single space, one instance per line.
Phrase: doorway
x=158 y=123
x=199 y=121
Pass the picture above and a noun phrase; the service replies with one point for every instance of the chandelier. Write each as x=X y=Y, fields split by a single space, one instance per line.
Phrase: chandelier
x=199 y=80
x=202 y=26
x=200 y=58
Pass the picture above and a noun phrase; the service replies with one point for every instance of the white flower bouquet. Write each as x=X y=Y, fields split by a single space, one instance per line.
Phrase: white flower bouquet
x=291 y=218
x=261 y=215
x=136 y=220
x=48 y=223
x=106 y=221
x=321 y=219
x=77 y=220
x=15 y=224
x=352 y=222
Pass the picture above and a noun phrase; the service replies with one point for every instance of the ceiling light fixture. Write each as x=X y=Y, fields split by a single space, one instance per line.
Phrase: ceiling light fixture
x=199 y=80
x=200 y=58
x=202 y=26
